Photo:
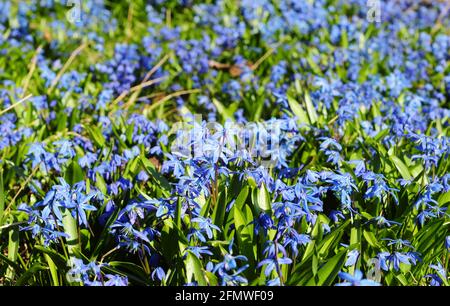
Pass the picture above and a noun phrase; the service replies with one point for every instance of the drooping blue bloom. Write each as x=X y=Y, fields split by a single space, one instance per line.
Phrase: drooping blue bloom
x=352 y=257
x=382 y=221
x=199 y=250
x=355 y=280
x=205 y=226
x=116 y=280
x=159 y=274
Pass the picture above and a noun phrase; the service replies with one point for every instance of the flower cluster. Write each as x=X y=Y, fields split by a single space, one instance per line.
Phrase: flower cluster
x=224 y=143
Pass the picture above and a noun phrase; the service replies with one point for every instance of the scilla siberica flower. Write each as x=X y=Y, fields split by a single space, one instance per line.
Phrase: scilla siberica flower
x=355 y=280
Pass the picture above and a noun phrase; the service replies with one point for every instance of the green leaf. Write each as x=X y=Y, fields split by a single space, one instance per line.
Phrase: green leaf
x=244 y=234
x=315 y=264
x=219 y=210
x=194 y=270
x=13 y=249
x=74 y=173
x=162 y=182
x=211 y=278
x=57 y=258
x=444 y=198
x=402 y=279
x=314 y=67
x=262 y=199
x=131 y=270
x=332 y=239
x=178 y=213
x=298 y=111
x=10 y=263
x=401 y=167
x=327 y=273
x=29 y=273
x=310 y=108
x=430 y=235
x=2 y=198
x=100 y=183
x=241 y=198
x=371 y=239
x=96 y=135
x=225 y=112
x=71 y=229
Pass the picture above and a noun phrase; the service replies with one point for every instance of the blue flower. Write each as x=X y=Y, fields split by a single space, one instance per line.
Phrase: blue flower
x=116 y=280
x=199 y=250
x=438 y=277
x=398 y=243
x=382 y=221
x=355 y=280
x=159 y=274
x=352 y=257
x=264 y=222
x=205 y=226
x=271 y=264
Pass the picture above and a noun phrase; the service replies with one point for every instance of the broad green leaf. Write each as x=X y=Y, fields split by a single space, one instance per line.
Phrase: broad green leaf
x=211 y=278
x=371 y=239
x=328 y=272
x=23 y=279
x=298 y=111
x=444 y=198
x=314 y=67
x=13 y=249
x=241 y=198
x=57 y=258
x=100 y=183
x=262 y=199
x=332 y=239
x=220 y=208
x=225 y=112
x=71 y=229
x=310 y=108
x=2 y=198
x=401 y=167
x=131 y=270
x=96 y=135
x=244 y=234
x=156 y=176
x=194 y=270
x=402 y=279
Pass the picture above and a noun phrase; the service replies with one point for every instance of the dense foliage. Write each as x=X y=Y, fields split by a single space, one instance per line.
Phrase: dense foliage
x=250 y=142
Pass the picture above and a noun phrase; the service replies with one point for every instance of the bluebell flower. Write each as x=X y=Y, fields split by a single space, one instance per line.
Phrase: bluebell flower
x=293 y=239
x=264 y=222
x=109 y=209
x=437 y=278
x=343 y=185
x=435 y=281
x=382 y=221
x=352 y=257
x=271 y=264
x=398 y=243
x=159 y=274
x=379 y=187
x=199 y=250
x=355 y=280
x=396 y=258
x=335 y=215
x=383 y=261
x=116 y=280
x=206 y=225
